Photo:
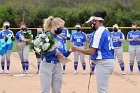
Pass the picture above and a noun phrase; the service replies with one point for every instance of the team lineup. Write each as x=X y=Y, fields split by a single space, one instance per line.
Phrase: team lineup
x=104 y=47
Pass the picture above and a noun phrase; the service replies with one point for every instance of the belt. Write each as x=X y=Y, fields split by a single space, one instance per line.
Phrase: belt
x=117 y=46
x=54 y=62
x=135 y=44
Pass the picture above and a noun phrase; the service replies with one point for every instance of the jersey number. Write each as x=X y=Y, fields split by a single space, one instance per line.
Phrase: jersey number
x=110 y=43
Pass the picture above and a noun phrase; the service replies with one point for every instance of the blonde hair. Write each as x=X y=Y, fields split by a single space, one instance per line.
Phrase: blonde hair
x=47 y=23
x=50 y=23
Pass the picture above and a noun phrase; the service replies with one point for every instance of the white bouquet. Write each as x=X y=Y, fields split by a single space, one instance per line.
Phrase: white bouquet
x=43 y=43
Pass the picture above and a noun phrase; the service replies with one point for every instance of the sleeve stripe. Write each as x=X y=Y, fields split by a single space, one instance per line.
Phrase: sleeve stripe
x=97 y=37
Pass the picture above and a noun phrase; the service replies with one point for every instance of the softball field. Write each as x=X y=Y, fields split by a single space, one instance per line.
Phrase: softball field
x=71 y=83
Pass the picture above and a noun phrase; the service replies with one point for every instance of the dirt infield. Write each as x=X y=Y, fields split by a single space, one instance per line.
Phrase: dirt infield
x=71 y=83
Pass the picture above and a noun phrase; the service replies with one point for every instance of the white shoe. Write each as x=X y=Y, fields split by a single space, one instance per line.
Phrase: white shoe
x=75 y=72
x=131 y=73
x=23 y=72
x=123 y=73
x=26 y=72
x=7 y=72
x=63 y=72
x=84 y=72
x=2 y=72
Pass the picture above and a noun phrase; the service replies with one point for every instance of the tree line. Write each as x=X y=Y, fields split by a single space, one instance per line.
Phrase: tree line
x=32 y=12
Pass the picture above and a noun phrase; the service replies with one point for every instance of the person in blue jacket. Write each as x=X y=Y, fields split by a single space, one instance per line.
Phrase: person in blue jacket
x=50 y=67
x=7 y=46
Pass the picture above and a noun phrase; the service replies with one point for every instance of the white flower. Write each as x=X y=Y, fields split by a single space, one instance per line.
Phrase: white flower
x=41 y=43
x=38 y=50
x=45 y=46
x=37 y=41
x=47 y=40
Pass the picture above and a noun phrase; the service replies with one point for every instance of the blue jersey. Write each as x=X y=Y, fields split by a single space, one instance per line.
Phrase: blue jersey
x=20 y=35
x=65 y=33
x=9 y=43
x=103 y=43
x=78 y=38
x=91 y=38
x=59 y=45
x=115 y=36
x=133 y=34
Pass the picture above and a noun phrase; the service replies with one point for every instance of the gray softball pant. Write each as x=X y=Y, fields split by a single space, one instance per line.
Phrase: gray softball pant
x=50 y=77
x=24 y=53
x=76 y=56
x=104 y=68
x=118 y=52
x=7 y=55
x=134 y=51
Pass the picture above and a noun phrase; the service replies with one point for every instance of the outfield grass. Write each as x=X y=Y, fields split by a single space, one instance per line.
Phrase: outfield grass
x=125 y=46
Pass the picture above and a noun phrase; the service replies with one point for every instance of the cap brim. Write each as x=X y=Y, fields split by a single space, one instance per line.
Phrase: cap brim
x=94 y=18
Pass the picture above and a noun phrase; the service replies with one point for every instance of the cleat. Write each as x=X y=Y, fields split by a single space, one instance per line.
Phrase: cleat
x=84 y=72
x=75 y=72
x=63 y=72
x=123 y=73
x=7 y=72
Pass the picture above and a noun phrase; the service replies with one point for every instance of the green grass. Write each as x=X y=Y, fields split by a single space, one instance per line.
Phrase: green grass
x=125 y=46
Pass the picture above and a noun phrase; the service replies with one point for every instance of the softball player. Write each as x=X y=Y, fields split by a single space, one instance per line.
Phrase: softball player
x=23 y=48
x=133 y=37
x=92 y=65
x=65 y=35
x=8 y=46
x=50 y=68
x=39 y=32
x=79 y=39
x=118 y=38
x=101 y=51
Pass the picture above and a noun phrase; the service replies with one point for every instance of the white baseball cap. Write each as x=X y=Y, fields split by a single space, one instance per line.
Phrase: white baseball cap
x=94 y=18
x=115 y=26
x=77 y=26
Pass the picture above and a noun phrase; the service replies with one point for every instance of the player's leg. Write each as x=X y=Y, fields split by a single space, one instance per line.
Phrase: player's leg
x=57 y=79
x=120 y=58
x=92 y=66
x=8 y=54
x=2 y=63
x=25 y=56
x=20 y=53
x=82 y=58
x=76 y=57
x=64 y=66
x=103 y=71
x=38 y=64
x=138 y=57
x=45 y=76
x=132 y=57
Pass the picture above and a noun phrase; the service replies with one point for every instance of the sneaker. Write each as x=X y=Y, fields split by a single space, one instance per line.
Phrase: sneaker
x=7 y=72
x=2 y=72
x=84 y=72
x=63 y=72
x=123 y=73
x=75 y=72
